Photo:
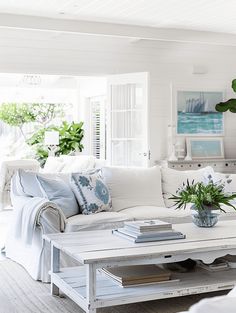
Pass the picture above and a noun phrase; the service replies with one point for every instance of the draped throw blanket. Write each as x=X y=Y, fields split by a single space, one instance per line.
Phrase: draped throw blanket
x=27 y=217
x=28 y=210
x=32 y=217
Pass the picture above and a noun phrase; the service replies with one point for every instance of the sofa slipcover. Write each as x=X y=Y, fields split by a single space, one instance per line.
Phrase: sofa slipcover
x=101 y=220
x=136 y=195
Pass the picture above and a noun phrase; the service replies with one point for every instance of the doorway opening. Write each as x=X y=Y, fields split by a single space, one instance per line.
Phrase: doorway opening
x=113 y=110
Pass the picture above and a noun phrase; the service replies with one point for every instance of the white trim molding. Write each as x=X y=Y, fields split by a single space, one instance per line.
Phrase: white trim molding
x=115 y=30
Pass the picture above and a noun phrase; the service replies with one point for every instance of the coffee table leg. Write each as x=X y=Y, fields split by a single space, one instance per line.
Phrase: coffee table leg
x=55 y=268
x=91 y=287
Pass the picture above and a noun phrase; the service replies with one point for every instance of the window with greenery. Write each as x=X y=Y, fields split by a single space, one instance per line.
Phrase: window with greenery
x=33 y=119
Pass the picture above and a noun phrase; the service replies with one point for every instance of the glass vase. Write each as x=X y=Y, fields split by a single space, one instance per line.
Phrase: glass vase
x=205 y=218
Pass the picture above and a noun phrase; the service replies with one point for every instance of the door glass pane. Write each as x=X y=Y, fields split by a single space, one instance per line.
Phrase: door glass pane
x=136 y=124
x=128 y=133
x=127 y=124
x=138 y=103
x=119 y=153
x=119 y=124
x=134 y=148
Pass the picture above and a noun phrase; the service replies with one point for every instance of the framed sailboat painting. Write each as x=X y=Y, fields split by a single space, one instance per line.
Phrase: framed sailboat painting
x=196 y=114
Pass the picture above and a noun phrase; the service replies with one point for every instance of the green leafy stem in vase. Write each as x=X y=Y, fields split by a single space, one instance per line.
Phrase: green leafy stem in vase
x=229 y=105
x=210 y=195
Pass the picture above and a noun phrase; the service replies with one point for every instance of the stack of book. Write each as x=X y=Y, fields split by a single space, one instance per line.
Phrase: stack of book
x=127 y=276
x=144 y=231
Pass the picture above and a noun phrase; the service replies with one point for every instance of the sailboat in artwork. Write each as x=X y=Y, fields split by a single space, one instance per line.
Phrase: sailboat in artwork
x=197 y=105
x=199 y=115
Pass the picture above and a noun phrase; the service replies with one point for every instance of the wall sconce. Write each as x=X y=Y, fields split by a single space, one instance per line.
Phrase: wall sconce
x=199 y=69
x=51 y=140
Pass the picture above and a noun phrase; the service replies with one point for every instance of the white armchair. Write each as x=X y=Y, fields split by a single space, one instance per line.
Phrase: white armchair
x=8 y=167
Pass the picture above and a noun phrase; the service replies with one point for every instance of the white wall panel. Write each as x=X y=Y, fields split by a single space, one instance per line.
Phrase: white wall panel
x=167 y=62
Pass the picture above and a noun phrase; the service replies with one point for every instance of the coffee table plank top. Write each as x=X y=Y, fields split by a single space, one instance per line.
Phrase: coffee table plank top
x=102 y=245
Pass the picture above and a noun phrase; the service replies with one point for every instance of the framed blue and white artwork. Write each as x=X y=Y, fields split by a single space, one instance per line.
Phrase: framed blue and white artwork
x=196 y=114
x=205 y=147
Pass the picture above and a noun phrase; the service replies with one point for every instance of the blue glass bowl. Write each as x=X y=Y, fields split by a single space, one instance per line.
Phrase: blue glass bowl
x=205 y=218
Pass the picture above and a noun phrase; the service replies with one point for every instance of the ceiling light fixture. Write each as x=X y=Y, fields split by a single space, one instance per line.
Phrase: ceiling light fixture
x=32 y=79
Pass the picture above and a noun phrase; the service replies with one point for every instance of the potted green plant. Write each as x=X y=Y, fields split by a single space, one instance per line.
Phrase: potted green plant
x=206 y=200
x=70 y=140
x=229 y=105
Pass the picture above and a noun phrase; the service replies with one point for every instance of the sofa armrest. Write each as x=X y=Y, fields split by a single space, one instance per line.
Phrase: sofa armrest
x=34 y=213
x=51 y=221
x=7 y=169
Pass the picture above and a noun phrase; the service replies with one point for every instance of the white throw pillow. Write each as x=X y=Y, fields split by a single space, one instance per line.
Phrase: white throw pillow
x=131 y=187
x=53 y=165
x=173 y=179
x=78 y=163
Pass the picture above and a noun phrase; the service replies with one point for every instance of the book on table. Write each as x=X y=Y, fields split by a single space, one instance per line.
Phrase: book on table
x=145 y=231
x=154 y=237
x=127 y=276
x=147 y=226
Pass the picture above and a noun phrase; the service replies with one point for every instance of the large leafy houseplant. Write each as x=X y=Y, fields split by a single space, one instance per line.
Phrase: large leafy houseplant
x=205 y=198
x=229 y=105
x=70 y=140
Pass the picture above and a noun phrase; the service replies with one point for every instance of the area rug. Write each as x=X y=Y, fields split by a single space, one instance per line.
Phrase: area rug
x=21 y=294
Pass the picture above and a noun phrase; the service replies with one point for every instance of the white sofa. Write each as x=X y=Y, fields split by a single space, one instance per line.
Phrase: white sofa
x=69 y=164
x=63 y=164
x=137 y=194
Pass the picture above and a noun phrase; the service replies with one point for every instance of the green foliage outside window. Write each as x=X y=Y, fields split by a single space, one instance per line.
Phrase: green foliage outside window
x=19 y=114
x=42 y=114
x=15 y=114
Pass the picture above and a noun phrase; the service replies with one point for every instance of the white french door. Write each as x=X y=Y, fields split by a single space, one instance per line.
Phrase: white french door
x=127 y=124
x=97 y=105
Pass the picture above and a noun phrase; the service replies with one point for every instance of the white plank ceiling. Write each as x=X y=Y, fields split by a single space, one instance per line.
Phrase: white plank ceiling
x=206 y=15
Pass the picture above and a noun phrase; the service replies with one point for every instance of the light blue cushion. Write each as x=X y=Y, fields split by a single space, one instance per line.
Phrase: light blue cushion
x=29 y=184
x=91 y=192
x=57 y=191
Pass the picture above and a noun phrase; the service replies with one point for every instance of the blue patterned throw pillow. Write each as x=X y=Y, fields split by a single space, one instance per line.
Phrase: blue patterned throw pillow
x=91 y=192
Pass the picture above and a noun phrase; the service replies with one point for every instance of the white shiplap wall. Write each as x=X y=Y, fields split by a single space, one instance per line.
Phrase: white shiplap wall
x=167 y=62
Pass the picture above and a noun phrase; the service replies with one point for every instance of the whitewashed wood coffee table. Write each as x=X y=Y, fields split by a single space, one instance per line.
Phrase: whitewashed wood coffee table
x=91 y=289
